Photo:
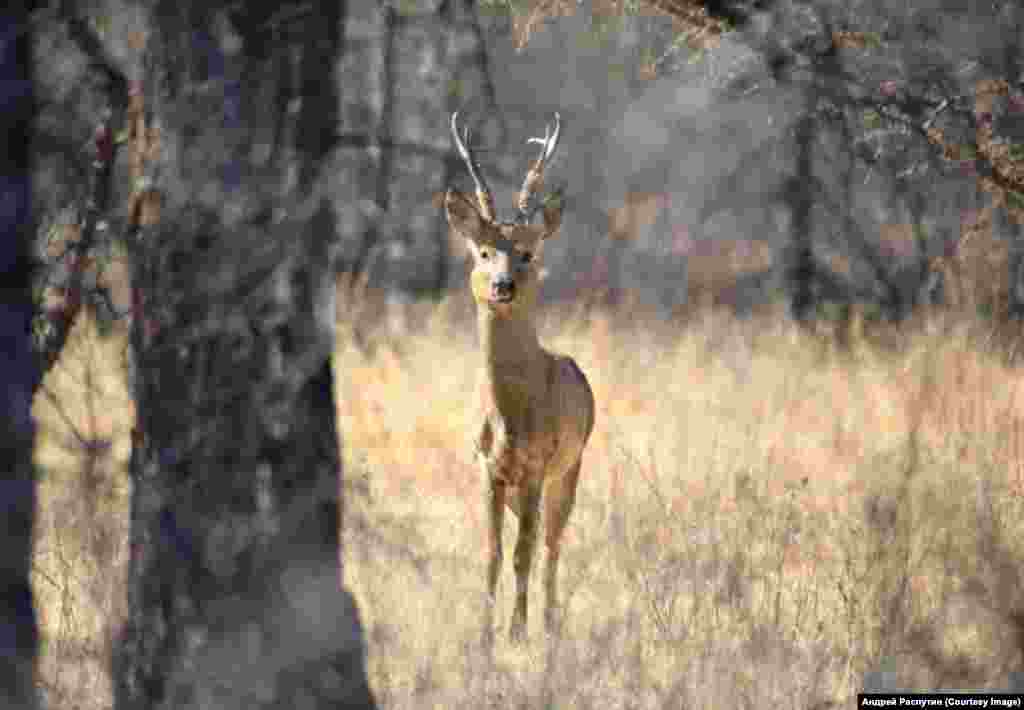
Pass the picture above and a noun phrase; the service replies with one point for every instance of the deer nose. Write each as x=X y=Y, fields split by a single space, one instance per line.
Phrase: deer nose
x=503 y=288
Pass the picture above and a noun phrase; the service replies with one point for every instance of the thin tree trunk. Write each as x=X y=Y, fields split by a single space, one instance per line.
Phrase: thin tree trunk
x=799 y=258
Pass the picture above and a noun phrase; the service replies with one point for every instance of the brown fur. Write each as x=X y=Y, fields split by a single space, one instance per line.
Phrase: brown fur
x=536 y=407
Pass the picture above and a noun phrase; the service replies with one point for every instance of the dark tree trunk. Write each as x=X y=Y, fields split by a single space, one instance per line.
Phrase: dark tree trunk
x=18 y=629
x=799 y=260
x=235 y=593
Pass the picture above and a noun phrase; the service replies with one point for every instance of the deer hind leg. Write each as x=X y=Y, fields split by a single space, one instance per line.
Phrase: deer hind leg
x=495 y=500
x=558 y=503
x=529 y=513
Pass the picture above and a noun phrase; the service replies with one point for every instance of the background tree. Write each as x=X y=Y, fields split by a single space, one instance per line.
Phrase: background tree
x=900 y=101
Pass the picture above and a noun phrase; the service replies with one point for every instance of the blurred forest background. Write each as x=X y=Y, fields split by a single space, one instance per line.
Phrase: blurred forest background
x=791 y=264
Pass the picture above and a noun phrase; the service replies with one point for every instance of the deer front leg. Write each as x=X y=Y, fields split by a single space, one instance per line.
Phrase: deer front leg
x=525 y=546
x=495 y=501
x=558 y=503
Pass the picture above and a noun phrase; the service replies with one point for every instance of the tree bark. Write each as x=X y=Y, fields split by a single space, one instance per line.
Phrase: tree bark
x=235 y=591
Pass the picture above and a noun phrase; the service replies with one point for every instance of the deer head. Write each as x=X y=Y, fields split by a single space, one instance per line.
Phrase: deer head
x=506 y=255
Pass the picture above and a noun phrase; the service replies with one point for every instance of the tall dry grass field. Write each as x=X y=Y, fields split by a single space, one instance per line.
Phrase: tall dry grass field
x=760 y=518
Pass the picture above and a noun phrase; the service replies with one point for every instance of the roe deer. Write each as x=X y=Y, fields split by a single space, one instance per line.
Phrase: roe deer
x=537 y=408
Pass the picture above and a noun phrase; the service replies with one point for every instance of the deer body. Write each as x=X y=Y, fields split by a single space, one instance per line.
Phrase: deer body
x=536 y=407
x=531 y=432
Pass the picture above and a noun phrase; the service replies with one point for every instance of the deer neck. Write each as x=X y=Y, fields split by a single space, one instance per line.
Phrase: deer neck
x=514 y=369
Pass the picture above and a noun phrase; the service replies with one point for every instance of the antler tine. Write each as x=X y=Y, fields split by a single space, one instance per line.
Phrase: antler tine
x=535 y=176
x=483 y=193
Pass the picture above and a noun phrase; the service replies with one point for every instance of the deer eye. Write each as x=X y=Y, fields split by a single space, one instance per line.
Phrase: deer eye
x=527 y=257
x=484 y=254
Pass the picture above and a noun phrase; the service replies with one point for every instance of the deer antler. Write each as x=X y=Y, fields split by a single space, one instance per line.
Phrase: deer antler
x=535 y=176
x=483 y=193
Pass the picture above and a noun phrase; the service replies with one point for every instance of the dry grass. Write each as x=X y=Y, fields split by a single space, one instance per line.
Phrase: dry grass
x=81 y=551
x=759 y=518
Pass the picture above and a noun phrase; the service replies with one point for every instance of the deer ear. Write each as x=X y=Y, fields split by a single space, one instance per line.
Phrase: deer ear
x=463 y=216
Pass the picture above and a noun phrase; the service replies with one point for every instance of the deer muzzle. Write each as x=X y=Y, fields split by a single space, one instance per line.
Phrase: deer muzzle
x=503 y=289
